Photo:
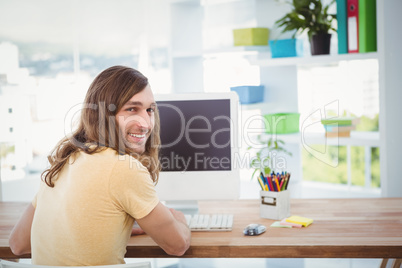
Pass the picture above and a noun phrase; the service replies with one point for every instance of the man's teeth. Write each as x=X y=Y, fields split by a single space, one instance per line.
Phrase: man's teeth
x=137 y=135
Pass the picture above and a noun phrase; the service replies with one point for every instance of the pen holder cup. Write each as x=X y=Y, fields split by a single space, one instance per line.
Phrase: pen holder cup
x=275 y=205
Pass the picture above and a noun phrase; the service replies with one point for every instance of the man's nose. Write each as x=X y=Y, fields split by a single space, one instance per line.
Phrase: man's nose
x=143 y=121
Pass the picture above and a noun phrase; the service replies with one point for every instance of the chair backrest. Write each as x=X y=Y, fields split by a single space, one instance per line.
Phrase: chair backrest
x=10 y=264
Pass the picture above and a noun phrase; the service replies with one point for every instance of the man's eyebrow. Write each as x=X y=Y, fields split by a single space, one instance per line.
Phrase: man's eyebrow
x=138 y=103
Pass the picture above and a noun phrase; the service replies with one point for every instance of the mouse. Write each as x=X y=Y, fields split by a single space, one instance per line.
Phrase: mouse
x=254 y=229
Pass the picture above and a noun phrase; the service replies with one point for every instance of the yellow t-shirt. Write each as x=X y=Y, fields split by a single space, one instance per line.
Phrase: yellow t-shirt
x=87 y=217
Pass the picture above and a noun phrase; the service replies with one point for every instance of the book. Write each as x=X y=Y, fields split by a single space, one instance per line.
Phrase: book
x=353 y=26
x=339 y=128
x=300 y=220
x=341 y=17
x=337 y=134
x=367 y=26
x=341 y=121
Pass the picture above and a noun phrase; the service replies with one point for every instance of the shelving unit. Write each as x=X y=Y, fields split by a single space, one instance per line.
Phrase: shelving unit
x=261 y=56
x=318 y=60
x=281 y=93
x=357 y=138
x=186 y=46
x=240 y=50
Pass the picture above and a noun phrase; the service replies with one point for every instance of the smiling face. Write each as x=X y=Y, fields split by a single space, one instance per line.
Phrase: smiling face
x=136 y=120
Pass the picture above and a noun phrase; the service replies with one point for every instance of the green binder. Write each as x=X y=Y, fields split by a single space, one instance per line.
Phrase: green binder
x=367 y=26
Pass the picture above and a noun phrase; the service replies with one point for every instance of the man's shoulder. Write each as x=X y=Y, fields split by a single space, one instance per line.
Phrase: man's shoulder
x=108 y=157
x=122 y=160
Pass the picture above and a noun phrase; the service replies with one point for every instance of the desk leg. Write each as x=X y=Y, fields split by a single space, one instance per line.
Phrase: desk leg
x=397 y=263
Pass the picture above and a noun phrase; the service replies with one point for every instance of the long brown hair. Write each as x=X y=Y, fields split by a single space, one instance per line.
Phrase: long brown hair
x=98 y=129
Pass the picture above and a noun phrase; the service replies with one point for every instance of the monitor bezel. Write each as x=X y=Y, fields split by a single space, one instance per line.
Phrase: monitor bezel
x=203 y=185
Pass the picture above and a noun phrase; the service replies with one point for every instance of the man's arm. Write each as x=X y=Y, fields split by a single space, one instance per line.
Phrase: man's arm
x=168 y=228
x=20 y=237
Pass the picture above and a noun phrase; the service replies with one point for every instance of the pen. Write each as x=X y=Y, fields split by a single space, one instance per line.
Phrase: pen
x=269 y=180
x=287 y=182
x=277 y=184
x=267 y=183
x=282 y=179
x=264 y=181
x=261 y=184
x=274 y=184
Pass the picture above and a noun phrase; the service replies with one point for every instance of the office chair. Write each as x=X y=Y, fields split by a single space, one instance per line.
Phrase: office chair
x=10 y=264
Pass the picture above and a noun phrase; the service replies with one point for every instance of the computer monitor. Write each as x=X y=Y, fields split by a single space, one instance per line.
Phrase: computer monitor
x=199 y=145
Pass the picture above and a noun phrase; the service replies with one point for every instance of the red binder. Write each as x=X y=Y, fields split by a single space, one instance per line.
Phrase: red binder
x=353 y=26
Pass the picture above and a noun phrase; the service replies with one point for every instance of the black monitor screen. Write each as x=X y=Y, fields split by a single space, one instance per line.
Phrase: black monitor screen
x=195 y=135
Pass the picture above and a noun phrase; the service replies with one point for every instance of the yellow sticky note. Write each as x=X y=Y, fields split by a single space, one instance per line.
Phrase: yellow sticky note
x=300 y=220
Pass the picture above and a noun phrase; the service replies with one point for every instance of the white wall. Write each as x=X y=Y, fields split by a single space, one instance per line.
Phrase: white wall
x=389 y=36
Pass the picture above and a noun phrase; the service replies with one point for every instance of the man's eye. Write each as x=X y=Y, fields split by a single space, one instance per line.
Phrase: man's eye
x=132 y=109
x=150 y=110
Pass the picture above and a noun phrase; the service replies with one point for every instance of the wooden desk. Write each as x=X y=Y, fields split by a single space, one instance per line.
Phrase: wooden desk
x=342 y=228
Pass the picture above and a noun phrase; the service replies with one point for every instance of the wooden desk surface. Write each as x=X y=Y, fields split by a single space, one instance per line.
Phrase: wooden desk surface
x=342 y=228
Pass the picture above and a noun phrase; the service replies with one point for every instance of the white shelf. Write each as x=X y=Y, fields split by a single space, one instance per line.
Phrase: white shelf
x=268 y=108
x=357 y=138
x=261 y=56
x=195 y=2
x=208 y=53
x=182 y=55
x=241 y=50
x=264 y=59
x=253 y=106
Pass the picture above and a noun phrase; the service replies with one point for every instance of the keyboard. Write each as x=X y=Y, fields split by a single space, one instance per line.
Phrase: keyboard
x=209 y=222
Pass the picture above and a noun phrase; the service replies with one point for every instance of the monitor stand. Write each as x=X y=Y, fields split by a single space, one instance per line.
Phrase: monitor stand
x=185 y=206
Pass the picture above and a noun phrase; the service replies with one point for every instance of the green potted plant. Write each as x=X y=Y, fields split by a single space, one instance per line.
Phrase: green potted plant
x=311 y=16
x=263 y=160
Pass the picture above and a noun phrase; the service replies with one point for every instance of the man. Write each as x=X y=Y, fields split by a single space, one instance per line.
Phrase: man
x=101 y=179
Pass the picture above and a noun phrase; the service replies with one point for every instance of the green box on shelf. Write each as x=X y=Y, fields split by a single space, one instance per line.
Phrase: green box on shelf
x=251 y=36
x=282 y=123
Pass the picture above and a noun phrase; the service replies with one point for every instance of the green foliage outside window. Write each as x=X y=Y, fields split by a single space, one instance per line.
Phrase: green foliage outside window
x=317 y=170
x=5 y=149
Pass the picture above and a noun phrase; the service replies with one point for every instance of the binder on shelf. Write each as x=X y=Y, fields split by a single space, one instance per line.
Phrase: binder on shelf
x=341 y=16
x=353 y=26
x=367 y=26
